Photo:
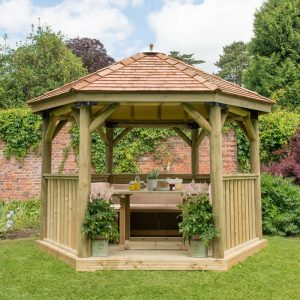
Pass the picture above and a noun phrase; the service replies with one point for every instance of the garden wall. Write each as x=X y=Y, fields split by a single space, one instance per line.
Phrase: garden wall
x=20 y=180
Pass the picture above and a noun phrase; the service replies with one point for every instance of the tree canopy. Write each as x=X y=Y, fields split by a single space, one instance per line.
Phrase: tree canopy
x=274 y=68
x=92 y=53
x=187 y=58
x=233 y=62
x=42 y=64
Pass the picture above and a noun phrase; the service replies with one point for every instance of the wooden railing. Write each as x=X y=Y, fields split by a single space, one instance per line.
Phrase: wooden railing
x=125 y=178
x=62 y=209
x=239 y=198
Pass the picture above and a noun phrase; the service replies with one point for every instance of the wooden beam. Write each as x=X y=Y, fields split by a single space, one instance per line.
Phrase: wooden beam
x=195 y=152
x=109 y=151
x=76 y=115
x=250 y=130
x=121 y=135
x=183 y=136
x=102 y=116
x=203 y=133
x=239 y=111
x=61 y=110
x=151 y=124
x=51 y=128
x=46 y=168
x=103 y=135
x=197 y=116
x=223 y=117
x=84 y=184
x=255 y=168
x=243 y=128
x=216 y=181
x=59 y=127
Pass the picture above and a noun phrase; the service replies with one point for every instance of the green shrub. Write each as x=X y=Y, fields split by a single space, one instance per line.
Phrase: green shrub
x=280 y=206
x=26 y=213
x=275 y=131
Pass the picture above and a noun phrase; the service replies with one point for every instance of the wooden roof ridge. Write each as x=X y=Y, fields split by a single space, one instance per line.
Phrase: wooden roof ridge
x=206 y=82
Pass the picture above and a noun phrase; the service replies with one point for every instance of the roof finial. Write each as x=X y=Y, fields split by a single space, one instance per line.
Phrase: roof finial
x=151 y=46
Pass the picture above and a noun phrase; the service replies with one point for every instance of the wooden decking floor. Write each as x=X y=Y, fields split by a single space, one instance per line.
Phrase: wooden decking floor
x=154 y=259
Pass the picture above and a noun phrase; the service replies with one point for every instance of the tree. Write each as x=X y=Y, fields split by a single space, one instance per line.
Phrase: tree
x=187 y=58
x=274 y=68
x=92 y=53
x=40 y=65
x=233 y=62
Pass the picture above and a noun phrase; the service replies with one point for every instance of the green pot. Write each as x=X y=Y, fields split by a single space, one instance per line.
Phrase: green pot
x=100 y=247
x=198 y=249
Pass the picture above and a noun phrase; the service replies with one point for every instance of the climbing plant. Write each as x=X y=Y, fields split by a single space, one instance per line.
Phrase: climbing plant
x=127 y=151
x=20 y=129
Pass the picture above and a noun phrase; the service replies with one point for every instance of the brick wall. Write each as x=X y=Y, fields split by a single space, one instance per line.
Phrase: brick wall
x=21 y=179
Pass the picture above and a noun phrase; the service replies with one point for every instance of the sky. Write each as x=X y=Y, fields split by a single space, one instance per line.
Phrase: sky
x=126 y=27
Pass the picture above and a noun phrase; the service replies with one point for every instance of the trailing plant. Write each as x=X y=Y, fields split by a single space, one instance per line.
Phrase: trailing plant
x=20 y=129
x=101 y=220
x=197 y=219
x=66 y=152
x=280 y=206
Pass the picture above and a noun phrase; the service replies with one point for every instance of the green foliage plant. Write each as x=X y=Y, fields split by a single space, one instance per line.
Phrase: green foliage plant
x=100 y=220
x=153 y=174
x=40 y=65
x=20 y=129
x=233 y=62
x=274 y=69
x=197 y=219
x=26 y=213
x=186 y=58
x=280 y=206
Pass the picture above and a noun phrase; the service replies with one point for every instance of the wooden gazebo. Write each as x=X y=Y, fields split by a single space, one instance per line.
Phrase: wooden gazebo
x=151 y=90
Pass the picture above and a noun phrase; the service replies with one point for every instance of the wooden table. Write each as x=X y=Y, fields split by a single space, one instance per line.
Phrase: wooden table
x=124 y=224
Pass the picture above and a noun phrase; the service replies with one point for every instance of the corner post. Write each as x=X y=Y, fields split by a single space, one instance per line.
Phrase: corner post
x=216 y=178
x=109 y=150
x=195 y=152
x=255 y=168
x=84 y=185
x=46 y=168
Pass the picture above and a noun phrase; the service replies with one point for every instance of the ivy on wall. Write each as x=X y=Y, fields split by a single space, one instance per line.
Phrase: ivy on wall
x=20 y=129
x=127 y=151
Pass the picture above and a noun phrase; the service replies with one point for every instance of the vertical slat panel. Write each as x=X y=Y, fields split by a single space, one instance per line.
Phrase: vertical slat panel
x=55 y=201
x=232 y=214
x=48 y=207
x=228 y=219
x=247 y=183
x=236 y=214
x=67 y=200
x=70 y=204
x=253 y=208
x=58 y=211
x=243 y=199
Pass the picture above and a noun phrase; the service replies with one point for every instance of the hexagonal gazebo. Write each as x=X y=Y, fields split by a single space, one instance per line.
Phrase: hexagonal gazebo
x=151 y=90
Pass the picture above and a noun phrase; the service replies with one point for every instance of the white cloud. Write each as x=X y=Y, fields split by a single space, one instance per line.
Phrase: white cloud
x=204 y=28
x=102 y=19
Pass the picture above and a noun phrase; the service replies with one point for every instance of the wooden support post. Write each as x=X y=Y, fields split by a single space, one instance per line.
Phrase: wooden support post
x=127 y=217
x=203 y=123
x=109 y=151
x=100 y=117
x=195 y=152
x=184 y=137
x=216 y=179
x=122 y=222
x=59 y=127
x=46 y=168
x=84 y=244
x=255 y=168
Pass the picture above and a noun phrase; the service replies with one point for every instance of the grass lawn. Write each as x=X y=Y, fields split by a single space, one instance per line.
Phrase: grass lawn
x=28 y=273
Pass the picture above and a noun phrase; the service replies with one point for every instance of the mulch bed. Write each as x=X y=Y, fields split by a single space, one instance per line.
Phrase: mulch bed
x=20 y=234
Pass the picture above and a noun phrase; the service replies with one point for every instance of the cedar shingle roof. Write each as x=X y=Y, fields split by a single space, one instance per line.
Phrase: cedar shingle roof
x=151 y=71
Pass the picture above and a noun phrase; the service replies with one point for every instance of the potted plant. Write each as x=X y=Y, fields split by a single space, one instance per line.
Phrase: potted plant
x=100 y=225
x=197 y=224
x=152 y=180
